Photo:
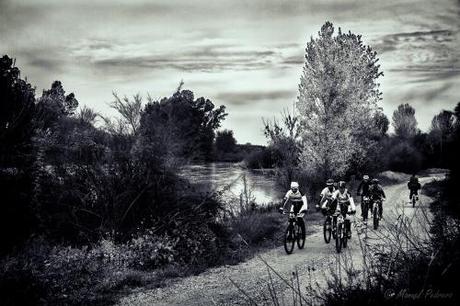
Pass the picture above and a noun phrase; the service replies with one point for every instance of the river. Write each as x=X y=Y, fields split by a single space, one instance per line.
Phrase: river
x=219 y=176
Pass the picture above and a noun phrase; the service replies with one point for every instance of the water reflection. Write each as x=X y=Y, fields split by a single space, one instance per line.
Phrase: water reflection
x=218 y=176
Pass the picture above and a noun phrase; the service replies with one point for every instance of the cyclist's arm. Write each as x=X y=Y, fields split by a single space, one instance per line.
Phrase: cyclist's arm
x=286 y=199
x=383 y=193
x=323 y=197
x=352 y=204
x=304 y=204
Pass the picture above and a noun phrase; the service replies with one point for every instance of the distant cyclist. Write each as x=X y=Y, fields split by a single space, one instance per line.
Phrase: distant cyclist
x=296 y=199
x=414 y=186
x=376 y=193
x=363 y=191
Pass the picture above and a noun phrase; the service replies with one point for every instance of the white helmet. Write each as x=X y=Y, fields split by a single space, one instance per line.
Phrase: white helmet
x=294 y=185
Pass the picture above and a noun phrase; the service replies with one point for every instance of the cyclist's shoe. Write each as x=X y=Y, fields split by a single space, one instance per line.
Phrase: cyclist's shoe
x=349 y=234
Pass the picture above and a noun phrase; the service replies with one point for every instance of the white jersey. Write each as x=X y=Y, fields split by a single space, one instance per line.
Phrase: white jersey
x=343 y=197
x=296 y=197
x=326 y=195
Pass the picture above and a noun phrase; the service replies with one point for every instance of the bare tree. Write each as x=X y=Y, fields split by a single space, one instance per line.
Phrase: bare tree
x=130 y=115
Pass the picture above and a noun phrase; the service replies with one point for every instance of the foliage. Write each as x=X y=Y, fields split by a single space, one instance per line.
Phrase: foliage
x=404 y=122
x=130 y=115
x=53 y=105
x=338 y=95
x=403 y=157
x=225 y=142
x=256 y=228
x=263 y=158
x=17 y=110
x=284 y=143
x=442 y=138
x=181 y=126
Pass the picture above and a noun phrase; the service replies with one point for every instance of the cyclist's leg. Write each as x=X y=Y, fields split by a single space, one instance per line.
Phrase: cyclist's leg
x=381 y=208
x=348 y=225
x=365 y=209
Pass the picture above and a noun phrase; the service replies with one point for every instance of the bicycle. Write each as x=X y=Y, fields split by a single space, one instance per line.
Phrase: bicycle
x=365 y=207
x=295 y=232
x=376 y=213
x=329 y=226
x=414 y=199
x=343 y=232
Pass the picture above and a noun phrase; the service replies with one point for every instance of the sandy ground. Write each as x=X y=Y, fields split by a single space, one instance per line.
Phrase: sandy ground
x=247 y=282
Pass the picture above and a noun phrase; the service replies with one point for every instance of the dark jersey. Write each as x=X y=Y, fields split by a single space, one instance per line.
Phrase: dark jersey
x=376 y=192
x=364 y=186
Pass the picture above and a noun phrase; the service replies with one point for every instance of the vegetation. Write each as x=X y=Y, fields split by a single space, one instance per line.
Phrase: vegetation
x=83 y=203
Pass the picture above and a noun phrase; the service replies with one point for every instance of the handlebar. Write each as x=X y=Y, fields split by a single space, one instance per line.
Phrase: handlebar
x=300 y=214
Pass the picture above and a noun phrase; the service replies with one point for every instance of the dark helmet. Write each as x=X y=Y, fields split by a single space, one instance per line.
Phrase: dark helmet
x=330 y=182
x=342 y=184
x=375 y=181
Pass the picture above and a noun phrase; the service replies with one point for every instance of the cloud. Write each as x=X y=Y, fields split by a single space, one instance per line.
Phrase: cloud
x=211 y=57
x=244 y=98
x=422 y=55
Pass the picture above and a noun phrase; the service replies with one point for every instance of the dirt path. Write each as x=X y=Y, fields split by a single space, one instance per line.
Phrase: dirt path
x=218 y=286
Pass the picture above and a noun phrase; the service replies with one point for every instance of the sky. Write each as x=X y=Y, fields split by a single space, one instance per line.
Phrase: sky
x=244 y=54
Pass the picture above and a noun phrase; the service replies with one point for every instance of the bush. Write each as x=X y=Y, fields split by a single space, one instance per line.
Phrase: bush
x=260 y=159
x=257 y=228
x=404 y=157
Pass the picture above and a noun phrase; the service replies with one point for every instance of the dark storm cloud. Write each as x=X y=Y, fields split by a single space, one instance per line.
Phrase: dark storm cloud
x=243 y=98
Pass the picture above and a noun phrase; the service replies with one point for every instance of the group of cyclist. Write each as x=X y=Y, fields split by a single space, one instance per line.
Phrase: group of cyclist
x=336 y=199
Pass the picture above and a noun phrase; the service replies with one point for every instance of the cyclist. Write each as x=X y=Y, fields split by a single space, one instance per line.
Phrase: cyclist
x=363 y=191
x=345 y=204
x=297 y=200
x=326 y=203
x=376 y=193
x=413 y=186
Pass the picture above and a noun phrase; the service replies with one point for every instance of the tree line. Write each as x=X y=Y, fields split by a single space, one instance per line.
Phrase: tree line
x=73 y=175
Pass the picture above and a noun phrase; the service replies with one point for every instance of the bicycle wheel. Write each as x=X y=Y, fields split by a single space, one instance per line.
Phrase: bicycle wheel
x=375 y=213
x=300 y=234
x=289 y=239
x=327 y=230
x=344 y=237
x=413 y=200
x=338 y=238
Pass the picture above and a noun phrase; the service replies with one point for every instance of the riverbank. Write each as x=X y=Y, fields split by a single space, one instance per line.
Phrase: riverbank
x=225 y=284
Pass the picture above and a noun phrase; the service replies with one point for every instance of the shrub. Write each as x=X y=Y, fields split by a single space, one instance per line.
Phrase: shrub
x=404 y=157
x=257 y=228
x=264 y=158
